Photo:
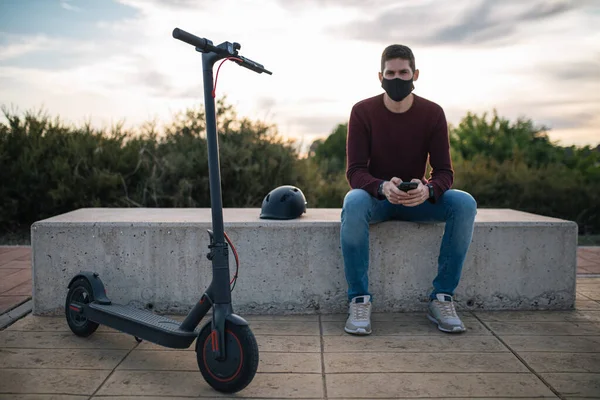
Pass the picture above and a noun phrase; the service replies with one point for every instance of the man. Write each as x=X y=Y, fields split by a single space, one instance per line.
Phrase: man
x=390 y=137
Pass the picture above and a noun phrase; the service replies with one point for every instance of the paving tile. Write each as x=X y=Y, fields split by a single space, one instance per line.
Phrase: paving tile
x=562 y=362
x=592 y=293
x=579 y=296
x=13 y=254
x=538 y=316
x=382 y=385
x=36 y=323
x=284 y=386
x=593 y=269
x=291 y=318
x=41 y=397
x=176 y=360
x=23 y=289
x=399 y=344
x=574 y=385
x=587 y=305
x=452 y=398
x=64 y=340
x=422 y=362
x=297 y=363
x=565 y=344
x=186 y=361
x=15 y=264
x=14 y=280
x=278 y=327
x=9 y=302
x=587 y=316
x=545 y=328
x=157 y=383
x=184 y=383
x=60 y=359
x=215 y=396
x=6 y=272
x=588 y=281
x=64 y=381
x=289 y=344
x=584 y=262
x=420 y=327
x=592 y=252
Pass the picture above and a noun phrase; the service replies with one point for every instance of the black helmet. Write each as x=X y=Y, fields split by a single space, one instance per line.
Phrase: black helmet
x=283 y=202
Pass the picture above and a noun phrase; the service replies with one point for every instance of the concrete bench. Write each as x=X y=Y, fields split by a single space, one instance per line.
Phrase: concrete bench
x=157 y=258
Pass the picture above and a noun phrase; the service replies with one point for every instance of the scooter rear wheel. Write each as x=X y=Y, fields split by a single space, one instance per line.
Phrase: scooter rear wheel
x=80 y=293
x=241 y=362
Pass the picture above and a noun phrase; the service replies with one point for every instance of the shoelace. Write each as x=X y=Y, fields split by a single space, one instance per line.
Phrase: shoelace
x=360 y=311
x=447 y=308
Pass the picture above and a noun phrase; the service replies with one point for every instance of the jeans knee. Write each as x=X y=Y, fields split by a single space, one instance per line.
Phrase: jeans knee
x=462 y=203
x=357 y=203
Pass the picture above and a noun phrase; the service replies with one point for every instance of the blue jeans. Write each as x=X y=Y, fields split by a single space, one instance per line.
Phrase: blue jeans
x=455 y=207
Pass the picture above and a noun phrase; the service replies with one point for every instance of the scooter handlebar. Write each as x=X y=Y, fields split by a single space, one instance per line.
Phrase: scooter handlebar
x=192 y=39
x=252 y=65
x=205 y=45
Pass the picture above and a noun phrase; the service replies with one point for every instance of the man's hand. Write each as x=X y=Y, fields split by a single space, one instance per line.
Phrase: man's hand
x=392 y=193
x=416 y=196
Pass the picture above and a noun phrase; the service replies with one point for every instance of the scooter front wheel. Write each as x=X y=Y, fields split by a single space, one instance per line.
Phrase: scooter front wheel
x=237 y=370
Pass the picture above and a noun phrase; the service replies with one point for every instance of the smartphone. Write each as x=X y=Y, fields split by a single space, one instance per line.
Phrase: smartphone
x=406 y=186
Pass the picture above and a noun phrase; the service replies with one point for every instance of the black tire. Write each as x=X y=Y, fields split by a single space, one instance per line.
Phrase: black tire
x=238 y=369
x=80 y=292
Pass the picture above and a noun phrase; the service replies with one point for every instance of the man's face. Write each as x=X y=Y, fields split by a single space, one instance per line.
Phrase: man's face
x=398 y=68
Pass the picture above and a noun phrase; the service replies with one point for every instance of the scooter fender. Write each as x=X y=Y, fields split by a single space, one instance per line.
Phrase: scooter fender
x=236 y=320
x=98 y=289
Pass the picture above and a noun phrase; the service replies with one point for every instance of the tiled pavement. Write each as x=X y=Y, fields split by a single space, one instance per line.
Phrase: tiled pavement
x=503 y=355
x=15 y=276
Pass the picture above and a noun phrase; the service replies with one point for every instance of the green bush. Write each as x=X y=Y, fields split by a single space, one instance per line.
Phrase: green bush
x=48 y=168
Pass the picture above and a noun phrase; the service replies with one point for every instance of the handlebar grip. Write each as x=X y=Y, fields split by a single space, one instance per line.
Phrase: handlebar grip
x=189 y=38
x=253 y=66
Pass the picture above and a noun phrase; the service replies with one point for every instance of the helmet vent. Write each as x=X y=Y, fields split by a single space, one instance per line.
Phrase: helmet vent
x=269 y=195
x=284 y=197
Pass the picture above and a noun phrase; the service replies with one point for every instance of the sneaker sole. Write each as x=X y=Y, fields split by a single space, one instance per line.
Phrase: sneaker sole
x=358 y=331
x=457 y=329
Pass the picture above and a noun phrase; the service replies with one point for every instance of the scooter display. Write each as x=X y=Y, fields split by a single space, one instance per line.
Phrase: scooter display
x=226 y=349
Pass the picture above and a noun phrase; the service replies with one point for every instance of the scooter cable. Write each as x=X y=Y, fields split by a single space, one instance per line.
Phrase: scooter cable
x=237 y=261
x=217 y=76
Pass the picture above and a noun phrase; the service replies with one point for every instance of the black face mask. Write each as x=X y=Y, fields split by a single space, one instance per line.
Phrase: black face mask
x=397 y=88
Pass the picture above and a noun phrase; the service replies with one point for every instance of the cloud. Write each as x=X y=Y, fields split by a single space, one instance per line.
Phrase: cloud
x=460 y=22
x=17 y=46
x=576 y=71
x=67 y=6
x=179 y=5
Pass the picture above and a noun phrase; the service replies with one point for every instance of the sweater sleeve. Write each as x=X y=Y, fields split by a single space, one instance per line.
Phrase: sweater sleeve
x=442 y=174
x=358 y=145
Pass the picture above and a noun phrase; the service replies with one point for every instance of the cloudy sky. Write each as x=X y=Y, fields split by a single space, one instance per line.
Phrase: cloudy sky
x=106 y=61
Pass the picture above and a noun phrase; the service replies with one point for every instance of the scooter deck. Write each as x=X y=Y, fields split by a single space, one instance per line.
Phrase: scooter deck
x=142 y=323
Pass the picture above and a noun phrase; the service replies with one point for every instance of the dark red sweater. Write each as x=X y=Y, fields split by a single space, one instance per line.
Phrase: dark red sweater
x=382 y=144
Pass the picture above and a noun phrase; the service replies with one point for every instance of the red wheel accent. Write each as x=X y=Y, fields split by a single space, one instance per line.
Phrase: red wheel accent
x=213 y=342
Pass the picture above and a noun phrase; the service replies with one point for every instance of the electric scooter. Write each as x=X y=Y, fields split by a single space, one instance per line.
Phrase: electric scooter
x=226 y=349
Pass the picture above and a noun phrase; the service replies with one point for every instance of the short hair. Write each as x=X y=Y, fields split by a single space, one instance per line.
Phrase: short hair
x=398 y=51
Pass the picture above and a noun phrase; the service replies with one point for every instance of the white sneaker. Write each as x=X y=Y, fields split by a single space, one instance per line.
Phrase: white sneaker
x=359 y=316
x=442 y=312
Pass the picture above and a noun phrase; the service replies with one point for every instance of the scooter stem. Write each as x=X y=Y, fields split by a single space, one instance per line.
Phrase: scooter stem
x=219 y=288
